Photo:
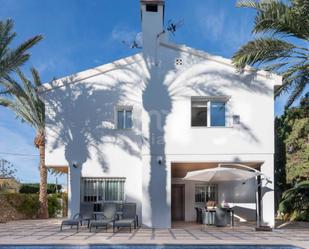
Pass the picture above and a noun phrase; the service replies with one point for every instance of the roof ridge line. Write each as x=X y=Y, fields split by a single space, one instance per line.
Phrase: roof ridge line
x=88 y=73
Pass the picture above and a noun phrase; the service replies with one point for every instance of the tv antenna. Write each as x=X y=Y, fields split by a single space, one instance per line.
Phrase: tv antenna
x=173 y=26
x=137 y=42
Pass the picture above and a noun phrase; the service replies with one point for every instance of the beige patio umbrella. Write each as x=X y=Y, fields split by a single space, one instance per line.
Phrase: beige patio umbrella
x=224 y=174
x=221 y=174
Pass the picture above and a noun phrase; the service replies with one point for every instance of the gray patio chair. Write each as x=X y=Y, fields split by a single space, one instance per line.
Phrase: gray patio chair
x=221 y=217
x=208 y=216
x=107 y=216
x=74 y=221
x=199 y=215
x=128 y=217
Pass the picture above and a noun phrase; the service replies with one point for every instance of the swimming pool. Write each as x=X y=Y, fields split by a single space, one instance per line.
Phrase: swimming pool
x=149 y=247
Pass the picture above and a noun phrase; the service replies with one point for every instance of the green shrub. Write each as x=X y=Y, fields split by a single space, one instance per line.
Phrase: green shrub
x=34 y=188
x=26 y=204
x=64 y=204
x=295 y=202
x=29 y=189
x=54 y=205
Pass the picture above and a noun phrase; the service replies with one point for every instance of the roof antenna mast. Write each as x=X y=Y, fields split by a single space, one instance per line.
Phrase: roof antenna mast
x=173 y=26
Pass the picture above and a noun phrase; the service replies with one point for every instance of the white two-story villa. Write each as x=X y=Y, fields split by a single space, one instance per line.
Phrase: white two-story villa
x=130 y=130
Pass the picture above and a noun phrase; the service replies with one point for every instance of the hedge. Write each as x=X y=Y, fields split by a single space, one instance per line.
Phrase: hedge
x=28 y=204
x=34 y=188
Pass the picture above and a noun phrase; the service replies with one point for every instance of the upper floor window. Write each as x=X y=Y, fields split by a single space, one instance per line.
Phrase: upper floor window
x=217 y=113
x=208 y=112
x=199 y=111
x=124 y=118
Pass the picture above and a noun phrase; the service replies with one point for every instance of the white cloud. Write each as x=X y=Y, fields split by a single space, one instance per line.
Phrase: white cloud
x=211 y=23
x=217 y=26
x=123 y=34
x=114 y=44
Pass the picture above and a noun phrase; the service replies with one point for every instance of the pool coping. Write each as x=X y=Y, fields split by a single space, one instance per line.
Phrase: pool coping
x=153 y=244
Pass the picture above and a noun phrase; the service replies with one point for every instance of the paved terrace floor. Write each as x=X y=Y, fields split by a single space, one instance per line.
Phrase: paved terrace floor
x=47 y=232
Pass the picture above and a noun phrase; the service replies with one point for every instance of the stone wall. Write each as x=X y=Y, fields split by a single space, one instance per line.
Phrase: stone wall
x=7 y=212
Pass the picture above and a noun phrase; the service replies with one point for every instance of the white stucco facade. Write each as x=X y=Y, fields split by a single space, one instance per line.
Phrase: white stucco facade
x=81 y=124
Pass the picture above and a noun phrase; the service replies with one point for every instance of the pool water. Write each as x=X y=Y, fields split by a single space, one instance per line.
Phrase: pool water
x=149 y=247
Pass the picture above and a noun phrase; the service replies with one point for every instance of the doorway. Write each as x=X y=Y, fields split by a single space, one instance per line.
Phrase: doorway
x=178 y=202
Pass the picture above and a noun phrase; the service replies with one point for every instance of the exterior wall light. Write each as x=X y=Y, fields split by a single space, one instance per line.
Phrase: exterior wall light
x=236 y=119
x=75 y=164
x=159 y=160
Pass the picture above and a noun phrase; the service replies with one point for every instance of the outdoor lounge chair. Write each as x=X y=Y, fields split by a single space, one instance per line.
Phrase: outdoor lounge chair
x=86 y=211
x=75 y=221
x=128 y=217
x=106 y=217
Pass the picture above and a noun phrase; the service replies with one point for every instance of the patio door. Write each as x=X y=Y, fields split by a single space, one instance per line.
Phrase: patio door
x=178 y=202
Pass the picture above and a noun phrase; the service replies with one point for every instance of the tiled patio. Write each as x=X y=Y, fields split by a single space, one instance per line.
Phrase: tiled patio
x=47 y=232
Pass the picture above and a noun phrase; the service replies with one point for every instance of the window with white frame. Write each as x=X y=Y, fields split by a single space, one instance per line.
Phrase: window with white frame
x=208 y=112
x=124 y=118
x=205 y=193
x=102 y=189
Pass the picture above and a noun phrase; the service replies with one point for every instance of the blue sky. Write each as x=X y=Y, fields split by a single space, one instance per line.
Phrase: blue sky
x=81 y=34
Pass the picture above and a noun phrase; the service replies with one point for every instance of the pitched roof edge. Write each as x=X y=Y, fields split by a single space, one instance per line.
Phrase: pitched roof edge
x=222 y=60
x=86 y=74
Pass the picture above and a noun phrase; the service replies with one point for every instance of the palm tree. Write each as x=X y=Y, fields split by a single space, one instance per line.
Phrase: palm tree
x=282 y=46
x=11 y=59
x=24 y=101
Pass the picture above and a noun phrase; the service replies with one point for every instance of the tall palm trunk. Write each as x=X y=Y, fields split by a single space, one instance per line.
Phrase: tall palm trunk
x=23 y=99
x=40 y=143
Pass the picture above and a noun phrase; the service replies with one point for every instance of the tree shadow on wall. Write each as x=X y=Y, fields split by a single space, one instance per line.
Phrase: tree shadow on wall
x=158 y=105
x=83 y=118
x=165 y=84
x=82 y=121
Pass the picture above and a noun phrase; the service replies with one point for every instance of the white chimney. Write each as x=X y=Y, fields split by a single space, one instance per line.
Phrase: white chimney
x=152 y=14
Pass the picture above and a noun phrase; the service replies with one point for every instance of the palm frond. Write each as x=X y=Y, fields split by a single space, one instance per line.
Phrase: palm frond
x=291 y=75
x=36 y=77
x=278 y=18
x=299 y=86
x=10 y=86
x=24 y=101
x=12 y=58
x=301 y=6
x=275 y=67
x=251 y=4
x=15 y=58
x=261 y=50
x=6 y=35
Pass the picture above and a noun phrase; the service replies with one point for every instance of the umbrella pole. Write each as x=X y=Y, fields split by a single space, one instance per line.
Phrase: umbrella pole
x=258 y=201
